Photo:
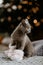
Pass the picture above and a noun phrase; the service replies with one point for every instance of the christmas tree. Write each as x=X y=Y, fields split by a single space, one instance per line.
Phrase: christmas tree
x=13 y=11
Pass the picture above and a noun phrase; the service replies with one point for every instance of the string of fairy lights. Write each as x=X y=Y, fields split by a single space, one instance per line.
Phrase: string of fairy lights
x=14 y=13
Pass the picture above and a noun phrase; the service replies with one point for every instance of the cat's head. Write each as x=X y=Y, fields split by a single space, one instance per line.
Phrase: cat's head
x=26 y=25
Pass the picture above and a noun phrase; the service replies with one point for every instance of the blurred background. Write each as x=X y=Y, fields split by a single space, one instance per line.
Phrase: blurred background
x=13 y=11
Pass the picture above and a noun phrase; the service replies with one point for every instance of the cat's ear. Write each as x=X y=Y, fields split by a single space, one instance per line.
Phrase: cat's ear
x=20 y=27
x=23 y=21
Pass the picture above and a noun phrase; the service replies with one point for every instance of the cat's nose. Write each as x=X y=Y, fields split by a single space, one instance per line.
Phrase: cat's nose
x=29 y=30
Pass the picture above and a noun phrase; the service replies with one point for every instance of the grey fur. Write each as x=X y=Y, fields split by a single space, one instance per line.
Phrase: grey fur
x=21 y=40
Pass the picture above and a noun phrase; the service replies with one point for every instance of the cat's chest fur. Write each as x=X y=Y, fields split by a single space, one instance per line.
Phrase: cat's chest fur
x=19 y=40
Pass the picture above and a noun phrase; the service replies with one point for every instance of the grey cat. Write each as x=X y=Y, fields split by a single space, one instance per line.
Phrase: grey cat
x=20 y=40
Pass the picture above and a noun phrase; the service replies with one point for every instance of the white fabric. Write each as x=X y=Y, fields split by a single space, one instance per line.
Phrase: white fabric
x=14 y=54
